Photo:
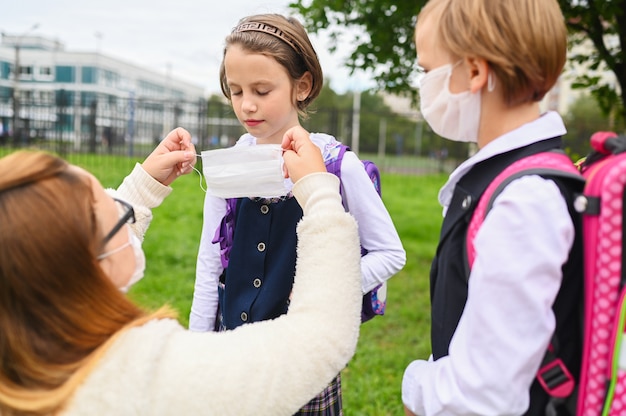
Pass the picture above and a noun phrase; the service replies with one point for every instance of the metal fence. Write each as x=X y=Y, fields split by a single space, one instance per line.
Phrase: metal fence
x=99 y=125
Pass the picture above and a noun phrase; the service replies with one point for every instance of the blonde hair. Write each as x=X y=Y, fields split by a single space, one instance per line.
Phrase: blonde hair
x=524 y=41
x=59 y=311
x=285 y=40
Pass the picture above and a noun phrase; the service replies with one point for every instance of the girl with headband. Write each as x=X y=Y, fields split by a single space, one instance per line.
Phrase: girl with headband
x=271 y=74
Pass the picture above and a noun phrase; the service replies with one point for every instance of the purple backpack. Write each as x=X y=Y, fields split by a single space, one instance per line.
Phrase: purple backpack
x=374 y=301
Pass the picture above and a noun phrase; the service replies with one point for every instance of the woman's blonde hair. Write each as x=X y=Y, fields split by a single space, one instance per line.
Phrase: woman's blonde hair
x=59 y=311
x=524 y=41
x=285 y=40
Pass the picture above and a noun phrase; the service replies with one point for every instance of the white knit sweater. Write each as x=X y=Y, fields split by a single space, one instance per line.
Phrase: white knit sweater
x=266 y=368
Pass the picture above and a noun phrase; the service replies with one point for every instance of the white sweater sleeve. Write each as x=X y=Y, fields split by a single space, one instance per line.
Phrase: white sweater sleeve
x=143 y=192
x=268 y=368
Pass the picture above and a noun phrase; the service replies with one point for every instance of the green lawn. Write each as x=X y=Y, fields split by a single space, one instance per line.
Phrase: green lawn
x=372 y=380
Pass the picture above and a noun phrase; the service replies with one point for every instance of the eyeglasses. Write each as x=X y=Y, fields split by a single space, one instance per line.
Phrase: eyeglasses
x=127 y=217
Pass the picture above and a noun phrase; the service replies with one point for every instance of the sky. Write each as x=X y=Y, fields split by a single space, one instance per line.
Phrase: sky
x=184 y=37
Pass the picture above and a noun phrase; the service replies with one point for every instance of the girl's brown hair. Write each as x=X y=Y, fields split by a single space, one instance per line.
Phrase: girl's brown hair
x=524 y=41
x=285 y=40
x=58 y=309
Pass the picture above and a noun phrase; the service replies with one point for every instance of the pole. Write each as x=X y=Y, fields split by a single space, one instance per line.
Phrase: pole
x=356 y=121
x=17 y=133
x=419 y=131
x=16 y=95
x=166 y=95
x=382 y=136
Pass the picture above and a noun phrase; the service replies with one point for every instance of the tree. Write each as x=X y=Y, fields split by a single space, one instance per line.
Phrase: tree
x=603 y=23
x=386 y=45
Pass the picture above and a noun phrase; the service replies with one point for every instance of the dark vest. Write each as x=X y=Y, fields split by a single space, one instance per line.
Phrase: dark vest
x=450 y=272
x=261 y=268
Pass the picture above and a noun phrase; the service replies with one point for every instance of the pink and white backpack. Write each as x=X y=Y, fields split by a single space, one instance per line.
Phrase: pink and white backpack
x=601 y=387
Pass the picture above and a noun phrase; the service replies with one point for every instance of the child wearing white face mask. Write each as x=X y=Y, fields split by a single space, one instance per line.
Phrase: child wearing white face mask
x=256 y=283
x=491 y=326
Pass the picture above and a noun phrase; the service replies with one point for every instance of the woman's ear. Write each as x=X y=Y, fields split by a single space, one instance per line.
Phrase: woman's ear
x=304 y=86
x=479 y=73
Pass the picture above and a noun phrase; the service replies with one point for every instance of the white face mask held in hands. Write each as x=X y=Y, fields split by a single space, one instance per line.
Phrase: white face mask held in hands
x=452 y=116
x=245 y=171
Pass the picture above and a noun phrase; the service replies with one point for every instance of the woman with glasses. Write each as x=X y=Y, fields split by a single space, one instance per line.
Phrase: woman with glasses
x=72 y=343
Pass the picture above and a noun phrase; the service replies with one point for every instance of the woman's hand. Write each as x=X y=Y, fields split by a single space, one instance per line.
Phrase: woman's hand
x=300 y=154
x=174 y=156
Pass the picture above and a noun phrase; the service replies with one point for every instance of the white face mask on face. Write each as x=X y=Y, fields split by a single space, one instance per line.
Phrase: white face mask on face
x=140 y=259
x=453 y=116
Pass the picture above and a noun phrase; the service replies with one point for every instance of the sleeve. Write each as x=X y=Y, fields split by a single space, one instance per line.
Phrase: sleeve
x=143 y=192
x=507 y=322
x=208 y=268
x=385 y=254
x=317 y=337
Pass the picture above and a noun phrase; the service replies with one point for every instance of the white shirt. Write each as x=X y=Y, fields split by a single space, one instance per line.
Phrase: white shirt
x=508 y=321
x=386 y=255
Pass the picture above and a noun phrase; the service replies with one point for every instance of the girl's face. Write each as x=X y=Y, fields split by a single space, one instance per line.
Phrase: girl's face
x=261 y=94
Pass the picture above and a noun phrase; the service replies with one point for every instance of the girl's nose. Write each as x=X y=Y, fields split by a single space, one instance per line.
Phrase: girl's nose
x=248 y=105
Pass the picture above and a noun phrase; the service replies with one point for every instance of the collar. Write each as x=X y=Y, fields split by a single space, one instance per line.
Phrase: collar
x=547 y=125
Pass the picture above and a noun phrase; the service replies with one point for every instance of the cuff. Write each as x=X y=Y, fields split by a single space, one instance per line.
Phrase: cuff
x=410 y=387
x=316 y=188
x=139 y=188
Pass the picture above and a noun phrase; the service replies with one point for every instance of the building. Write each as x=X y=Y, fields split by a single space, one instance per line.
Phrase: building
x=88 y=98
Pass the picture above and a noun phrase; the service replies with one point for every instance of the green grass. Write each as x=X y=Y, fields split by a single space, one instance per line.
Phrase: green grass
x=372 y=380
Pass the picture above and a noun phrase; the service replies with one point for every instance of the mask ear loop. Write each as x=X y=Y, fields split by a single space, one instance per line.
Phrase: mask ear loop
x=200 y=174
x=491 y=82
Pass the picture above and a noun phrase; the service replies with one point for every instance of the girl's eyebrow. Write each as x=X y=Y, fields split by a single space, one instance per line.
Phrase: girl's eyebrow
x=253 y=84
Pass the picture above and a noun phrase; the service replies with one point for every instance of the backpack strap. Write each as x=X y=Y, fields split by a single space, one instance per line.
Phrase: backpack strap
x=473 y=184
x=546 y=164
x=334 y=165
x=553 y=375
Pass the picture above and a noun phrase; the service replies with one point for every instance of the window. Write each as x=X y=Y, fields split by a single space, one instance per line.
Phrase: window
x=89 y=75
x=65 y=74
x=45 y=72
x=26 y=72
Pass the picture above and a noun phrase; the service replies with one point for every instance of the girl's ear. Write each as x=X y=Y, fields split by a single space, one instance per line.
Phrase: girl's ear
x=304 y=86
x=479 y=72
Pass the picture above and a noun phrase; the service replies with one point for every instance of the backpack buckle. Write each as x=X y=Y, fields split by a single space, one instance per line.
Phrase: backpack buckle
x=556 y=379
